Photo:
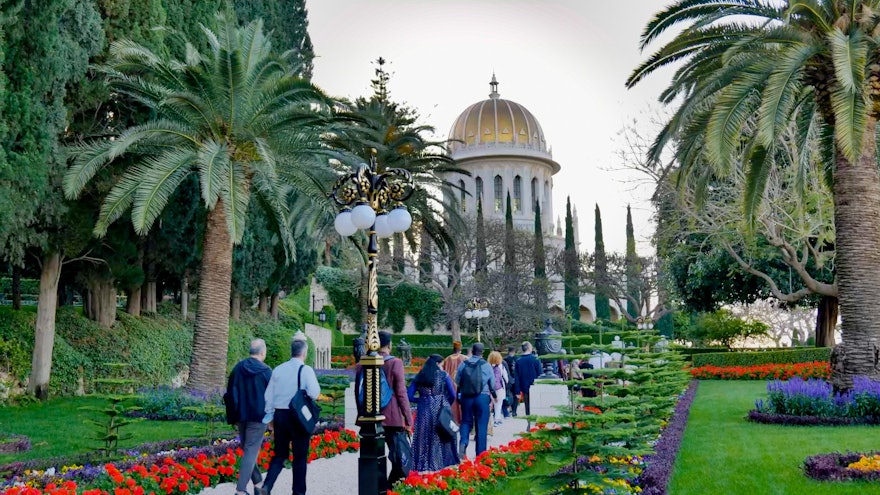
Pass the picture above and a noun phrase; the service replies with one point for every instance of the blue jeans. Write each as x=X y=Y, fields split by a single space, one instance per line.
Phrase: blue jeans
x=475 y=414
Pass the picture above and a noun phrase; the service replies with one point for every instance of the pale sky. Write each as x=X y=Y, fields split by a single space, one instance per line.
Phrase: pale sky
x=564 y=60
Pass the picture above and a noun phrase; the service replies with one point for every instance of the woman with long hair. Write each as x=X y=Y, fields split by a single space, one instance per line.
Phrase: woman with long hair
x=431 y=390
x=501 y=377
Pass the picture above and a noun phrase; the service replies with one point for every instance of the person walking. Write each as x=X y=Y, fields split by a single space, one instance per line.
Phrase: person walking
x=500 y=377
x=432 y=390
x=450 y=366
x=528 y=367
x=282 y=387
x=398 y=414
x=512 y=389
x=475 y=391
x=245 y=391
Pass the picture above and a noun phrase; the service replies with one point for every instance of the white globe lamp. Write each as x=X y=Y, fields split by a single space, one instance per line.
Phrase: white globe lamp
x=363 y=216
x=399 y=219
x=382 y=227
x=344 y=225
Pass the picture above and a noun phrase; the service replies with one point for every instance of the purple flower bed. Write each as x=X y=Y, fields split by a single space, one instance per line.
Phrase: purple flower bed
x=833 y=467
x=814 y=397
x=792 y=420
x=14 y=443
x=658 y=466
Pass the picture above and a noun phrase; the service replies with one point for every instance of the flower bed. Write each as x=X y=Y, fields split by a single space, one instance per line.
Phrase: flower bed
x=816 y=369
x=172 y=472
x=816 y=398
x=474 y=476
x=843 y=467
x=14 y=443
x=658 y=466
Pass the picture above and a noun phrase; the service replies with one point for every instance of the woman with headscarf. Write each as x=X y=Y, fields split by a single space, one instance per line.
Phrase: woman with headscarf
x=431 y=390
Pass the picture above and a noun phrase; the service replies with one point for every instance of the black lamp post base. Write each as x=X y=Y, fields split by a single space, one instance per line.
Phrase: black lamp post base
x=372 y=466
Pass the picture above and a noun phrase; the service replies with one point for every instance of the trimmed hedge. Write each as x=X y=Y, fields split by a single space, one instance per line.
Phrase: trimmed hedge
x=417 y=340
x=422 y=352
x=789 y=356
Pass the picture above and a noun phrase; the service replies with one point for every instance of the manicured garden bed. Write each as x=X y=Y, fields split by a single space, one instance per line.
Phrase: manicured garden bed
x=722 y=452
x=817 y=369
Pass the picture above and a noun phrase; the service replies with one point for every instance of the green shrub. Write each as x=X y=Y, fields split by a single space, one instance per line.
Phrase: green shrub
x=797 y=355
x=166 y=403
x=28 y=286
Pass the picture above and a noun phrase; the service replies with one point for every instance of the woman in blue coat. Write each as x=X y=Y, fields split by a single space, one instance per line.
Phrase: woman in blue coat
x=431 y=390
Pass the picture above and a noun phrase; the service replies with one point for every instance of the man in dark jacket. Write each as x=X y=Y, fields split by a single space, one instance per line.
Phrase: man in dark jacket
x=398 y=414
x=245 y=390
x=513 y=389
x=528 y=367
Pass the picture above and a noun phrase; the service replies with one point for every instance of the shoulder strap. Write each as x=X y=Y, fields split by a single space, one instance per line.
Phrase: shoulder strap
x=299 y=376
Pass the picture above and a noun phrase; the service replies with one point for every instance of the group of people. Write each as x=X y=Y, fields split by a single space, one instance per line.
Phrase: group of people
x=471 y=387
x=257 y=399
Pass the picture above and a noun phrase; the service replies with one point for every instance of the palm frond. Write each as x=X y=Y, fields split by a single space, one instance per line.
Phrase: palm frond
x=213 y=164
x=158 y=178
x=760 y=161
x=782 y=90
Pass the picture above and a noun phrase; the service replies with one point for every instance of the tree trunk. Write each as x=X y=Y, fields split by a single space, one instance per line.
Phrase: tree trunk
x=16 y=287
x=184 y=296
x=102 y=301
x=211 y=333
x=44 y=334
x=455 y=328
x=235 y=305
x=327 y=257
x=856 y=210
x=363 y=294
x=133 y=302
x=263 y=304
x=148 y=297
x=273 y=306
x=397 y=255
x=826 y=321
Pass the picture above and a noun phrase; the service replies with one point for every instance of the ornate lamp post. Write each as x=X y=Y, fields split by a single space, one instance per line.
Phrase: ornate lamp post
x=373 y=201
x=477 y=309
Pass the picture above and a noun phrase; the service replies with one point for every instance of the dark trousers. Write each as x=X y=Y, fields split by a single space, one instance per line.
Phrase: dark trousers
x=287 y=435
x=528 y=402
x=397 y=471
x=251 y=435
x=513 y=398
x=475 y=414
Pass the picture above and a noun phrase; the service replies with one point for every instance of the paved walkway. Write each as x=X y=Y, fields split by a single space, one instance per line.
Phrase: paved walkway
x=338 y=475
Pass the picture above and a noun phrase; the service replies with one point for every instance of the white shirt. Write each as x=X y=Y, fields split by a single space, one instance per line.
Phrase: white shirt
x=282 y=386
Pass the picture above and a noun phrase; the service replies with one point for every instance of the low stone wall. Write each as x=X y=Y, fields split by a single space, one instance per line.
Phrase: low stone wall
x=323 y=340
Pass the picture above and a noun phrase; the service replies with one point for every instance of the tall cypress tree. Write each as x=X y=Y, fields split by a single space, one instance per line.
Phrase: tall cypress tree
x=570 y=267
x=480 y=271
x=509 y=243
x=633 y=269
x=286 y=22
x=603 y=308
x=540 y=261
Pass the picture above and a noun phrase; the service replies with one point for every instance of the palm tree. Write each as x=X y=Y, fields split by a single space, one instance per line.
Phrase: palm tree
x=240 y=119
x=768 y=63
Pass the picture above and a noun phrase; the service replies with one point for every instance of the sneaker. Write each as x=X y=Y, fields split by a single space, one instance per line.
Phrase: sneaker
x=498 y=423
x=259 y=490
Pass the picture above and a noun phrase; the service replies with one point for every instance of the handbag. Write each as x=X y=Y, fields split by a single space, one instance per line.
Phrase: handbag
x=446 y=425
x=305 y=410
x=401 y=454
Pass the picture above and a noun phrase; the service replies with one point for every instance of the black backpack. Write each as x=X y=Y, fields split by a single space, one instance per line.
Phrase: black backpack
x=471 y=378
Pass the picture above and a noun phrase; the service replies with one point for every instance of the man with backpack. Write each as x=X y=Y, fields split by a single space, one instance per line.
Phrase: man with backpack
x=397 y=412
x=475 y=392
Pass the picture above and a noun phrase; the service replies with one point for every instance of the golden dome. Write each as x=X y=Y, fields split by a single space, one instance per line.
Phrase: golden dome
x=497 y=123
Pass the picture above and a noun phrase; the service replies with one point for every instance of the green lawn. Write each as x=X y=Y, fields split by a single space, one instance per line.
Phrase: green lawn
x=59 y=428
x=725 y=454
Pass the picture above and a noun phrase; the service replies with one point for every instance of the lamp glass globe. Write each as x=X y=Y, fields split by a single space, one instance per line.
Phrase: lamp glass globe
x=344 y=225
x=363 y=216
x=468 y=314
x=382 y=227
x=400 y=219
x=484 y=313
